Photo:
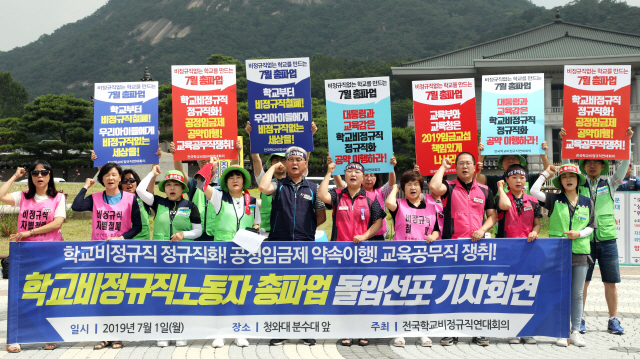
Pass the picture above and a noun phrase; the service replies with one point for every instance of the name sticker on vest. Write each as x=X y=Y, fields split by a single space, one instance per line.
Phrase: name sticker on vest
x=47 y=210
x=582 y=218
x=603 y=190
x=252 y=209
x=343 y=208
x=528 y=208
x=183 y=212
x=306 y=196
x=362 y=214
x=478 y=200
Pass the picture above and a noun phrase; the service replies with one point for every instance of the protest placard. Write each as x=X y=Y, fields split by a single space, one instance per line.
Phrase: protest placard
x=125 y=123
x=279 y=93
x=596 y=112
x=204 y=111
x=445 y=122
x=359 y=123
x=512 y=118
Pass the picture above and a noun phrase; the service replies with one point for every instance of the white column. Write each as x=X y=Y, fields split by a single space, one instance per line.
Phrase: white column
x=636 y=144
x=548 y=136
x=547 y=92
x=634 y=90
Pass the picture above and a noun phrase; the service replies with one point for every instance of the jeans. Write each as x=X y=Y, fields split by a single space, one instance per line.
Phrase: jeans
x=606 y=254
x=578 y=276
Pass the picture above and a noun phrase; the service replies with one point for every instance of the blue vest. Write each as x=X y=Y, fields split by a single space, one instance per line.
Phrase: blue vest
x=293 y=217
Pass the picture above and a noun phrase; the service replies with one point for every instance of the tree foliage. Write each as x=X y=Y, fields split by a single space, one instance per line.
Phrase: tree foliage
x=13 y=96
x=58 y=129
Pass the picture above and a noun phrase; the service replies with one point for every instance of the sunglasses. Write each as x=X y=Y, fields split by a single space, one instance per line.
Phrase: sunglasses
x=130 y=180
x=43 y=173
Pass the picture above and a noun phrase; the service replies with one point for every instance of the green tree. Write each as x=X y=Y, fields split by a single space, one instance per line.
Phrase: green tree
x=13 y=96
x=400 y=111
x=404 y=146
x=59 y=130
x=10 y=133
x=241 y=73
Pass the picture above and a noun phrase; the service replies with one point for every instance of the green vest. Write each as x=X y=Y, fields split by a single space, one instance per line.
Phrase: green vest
x=207 y=212
x=560 y=222
x=165 y=227
x=227 y=221
x=145 y=233
x=603 y=208
x=265 y=211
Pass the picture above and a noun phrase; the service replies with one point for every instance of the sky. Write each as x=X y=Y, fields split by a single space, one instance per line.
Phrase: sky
x=24 y=21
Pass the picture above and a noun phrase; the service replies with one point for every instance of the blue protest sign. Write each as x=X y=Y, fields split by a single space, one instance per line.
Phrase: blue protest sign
x=359 y=123
x=151 y=290
x=512 y=114
x=125 y=123
x=279 y=93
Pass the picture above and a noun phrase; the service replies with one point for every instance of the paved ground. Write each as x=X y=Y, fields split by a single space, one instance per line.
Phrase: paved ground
x=600 y=344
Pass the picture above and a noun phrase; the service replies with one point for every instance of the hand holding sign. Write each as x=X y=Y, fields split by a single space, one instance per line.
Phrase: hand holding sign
x=331 y=168
x=572 y=234
x=446 y=163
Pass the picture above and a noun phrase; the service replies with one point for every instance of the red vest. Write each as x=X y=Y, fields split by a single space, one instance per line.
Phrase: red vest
x=350 y=219
x=466 y=209
x=413 y=224
x=518 y=225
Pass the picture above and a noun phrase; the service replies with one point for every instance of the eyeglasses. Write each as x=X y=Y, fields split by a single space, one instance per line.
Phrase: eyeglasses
x=297 y=160
x=277 y=159
x=465 y=164
x=44 y=173
x=130 y=180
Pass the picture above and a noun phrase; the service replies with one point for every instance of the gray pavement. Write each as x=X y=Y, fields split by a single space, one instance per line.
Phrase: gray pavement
x=600 y=344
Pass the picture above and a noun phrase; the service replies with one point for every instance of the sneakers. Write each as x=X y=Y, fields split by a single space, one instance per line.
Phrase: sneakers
x=514 y=340
x=242 y=342
x=181 y=343
x=162 y=343
x=446 y=341
x=583 y=327
x=309 y=342
x=218 y=343
x=562 y=342
x=529 y=340
x=481 y=341
x=576 y=339
x=276 y=341
x=614 y=326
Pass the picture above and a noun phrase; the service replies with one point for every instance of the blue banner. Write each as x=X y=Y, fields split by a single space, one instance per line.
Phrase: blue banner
x=125 y=123
x=279 y=93
x=512 y=114
x=359 y=123
x=151 y=290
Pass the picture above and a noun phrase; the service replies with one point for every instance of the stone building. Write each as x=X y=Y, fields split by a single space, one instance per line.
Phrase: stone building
x=544 y=49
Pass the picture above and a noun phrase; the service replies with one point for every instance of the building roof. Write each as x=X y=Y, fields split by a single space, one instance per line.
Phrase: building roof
x=568 y=46
x=556 y=39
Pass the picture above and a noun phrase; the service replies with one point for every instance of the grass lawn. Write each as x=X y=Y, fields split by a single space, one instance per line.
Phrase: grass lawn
x=75 y=229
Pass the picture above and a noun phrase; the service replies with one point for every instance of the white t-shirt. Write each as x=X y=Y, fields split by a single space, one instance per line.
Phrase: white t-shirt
x=238 y=203
x=61 y=210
